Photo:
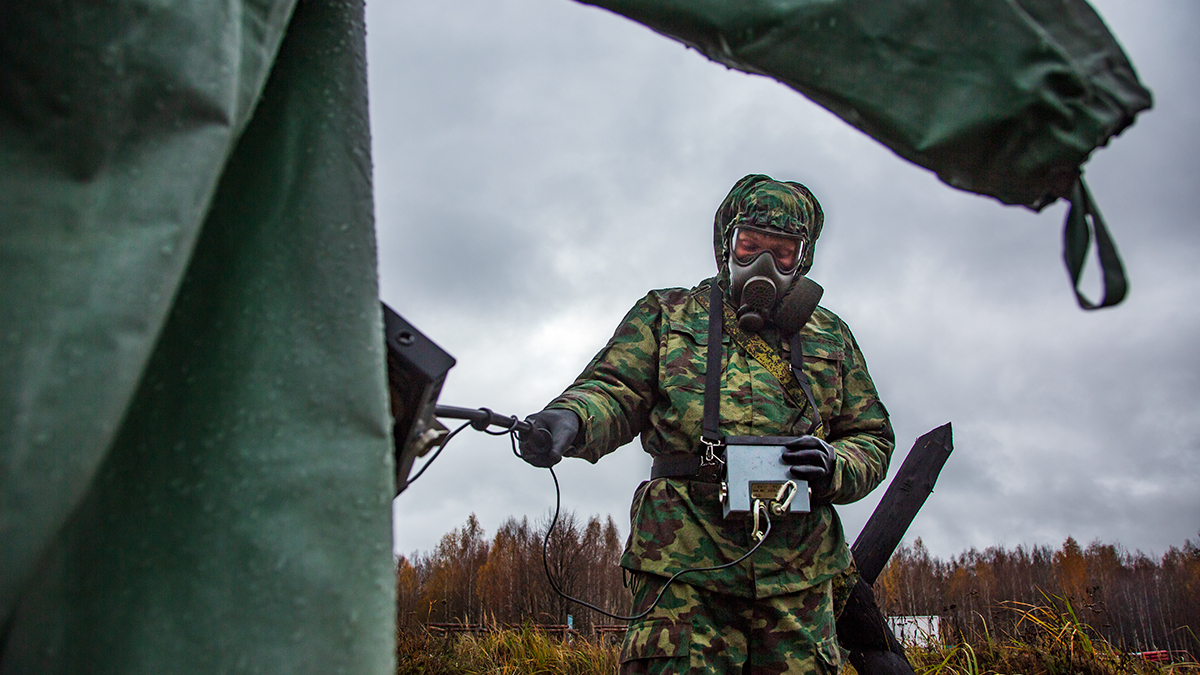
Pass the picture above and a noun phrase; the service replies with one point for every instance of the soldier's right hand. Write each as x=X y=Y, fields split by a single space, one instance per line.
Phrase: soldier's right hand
x=554 y=432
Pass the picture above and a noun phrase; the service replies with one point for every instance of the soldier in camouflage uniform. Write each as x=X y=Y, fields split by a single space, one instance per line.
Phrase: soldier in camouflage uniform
x=773 y=613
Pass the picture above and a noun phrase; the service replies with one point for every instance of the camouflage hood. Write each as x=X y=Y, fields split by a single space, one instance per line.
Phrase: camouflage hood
x=761 y=201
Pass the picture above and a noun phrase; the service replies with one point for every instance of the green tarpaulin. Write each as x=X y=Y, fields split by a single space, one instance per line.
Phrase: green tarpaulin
x=195 y=455
x=1005 y=98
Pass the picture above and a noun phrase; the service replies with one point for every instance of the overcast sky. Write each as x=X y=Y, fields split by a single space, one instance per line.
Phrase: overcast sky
x=541 y=164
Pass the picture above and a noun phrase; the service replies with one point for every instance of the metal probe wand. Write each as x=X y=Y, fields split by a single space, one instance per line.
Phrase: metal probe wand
x=482 y=418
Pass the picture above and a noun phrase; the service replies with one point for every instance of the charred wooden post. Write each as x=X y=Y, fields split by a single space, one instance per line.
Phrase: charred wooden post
x=904 y=497
x=861 y=627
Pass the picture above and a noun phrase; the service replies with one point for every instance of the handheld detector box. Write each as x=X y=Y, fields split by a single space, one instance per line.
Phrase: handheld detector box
x=754 y=469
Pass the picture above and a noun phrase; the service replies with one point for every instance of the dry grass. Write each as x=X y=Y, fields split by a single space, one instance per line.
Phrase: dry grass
x=512 y=651
x=1046 y=639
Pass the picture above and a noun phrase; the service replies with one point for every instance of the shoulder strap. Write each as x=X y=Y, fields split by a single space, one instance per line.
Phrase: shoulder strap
x=712 y=367
x=793 y=379
x=817 y=427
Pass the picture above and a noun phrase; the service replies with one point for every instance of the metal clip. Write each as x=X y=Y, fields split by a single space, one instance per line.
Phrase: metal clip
x=710 y=455
x=781 y=503
x=759 y=532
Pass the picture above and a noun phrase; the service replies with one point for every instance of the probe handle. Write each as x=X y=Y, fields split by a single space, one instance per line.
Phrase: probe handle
x=482 y=418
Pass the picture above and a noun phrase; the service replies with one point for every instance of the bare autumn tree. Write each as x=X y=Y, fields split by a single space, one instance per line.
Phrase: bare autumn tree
x=512 y=588
x=600 y=580
x=408 y=596
x=1134 y=601
x=449 y=586
x=467 y=579
x=1072 y=571
x=584 y=560
x=912 y=583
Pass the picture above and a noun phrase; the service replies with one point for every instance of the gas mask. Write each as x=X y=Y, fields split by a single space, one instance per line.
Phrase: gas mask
x=762 y=265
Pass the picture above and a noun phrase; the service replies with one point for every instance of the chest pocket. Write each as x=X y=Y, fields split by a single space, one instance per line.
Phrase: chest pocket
x=823 y=365
x=683 y=354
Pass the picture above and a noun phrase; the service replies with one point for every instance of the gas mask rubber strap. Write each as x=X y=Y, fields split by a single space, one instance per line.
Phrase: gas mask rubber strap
x=712 y=369
x=798 y=371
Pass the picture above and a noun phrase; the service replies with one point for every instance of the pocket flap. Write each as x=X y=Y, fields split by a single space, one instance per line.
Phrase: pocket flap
x=820 y=349
x=697 y=331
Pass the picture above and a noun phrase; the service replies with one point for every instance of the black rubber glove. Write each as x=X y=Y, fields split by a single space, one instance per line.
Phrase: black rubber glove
x=811 y=459
x=554 y=432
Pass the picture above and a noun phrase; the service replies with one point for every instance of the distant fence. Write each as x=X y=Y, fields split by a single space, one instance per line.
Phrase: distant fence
x=1166 y=656
x=917 y=631
x=612 y=633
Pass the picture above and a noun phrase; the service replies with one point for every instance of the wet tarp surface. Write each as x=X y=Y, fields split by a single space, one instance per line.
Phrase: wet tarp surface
x=1000 y=97
x=1005 y=98
x=194 y=459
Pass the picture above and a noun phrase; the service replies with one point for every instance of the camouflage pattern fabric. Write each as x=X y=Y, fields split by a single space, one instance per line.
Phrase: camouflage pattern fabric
x=843 y=586
x=649 y=380
x=696 y=631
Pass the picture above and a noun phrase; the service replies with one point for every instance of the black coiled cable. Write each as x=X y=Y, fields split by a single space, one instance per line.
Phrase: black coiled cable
x=661 y=592
x=481 y=419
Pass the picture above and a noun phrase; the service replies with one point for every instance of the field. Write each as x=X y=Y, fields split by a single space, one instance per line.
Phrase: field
x=1030 y=610
x=1048 y=640
x=505 y=651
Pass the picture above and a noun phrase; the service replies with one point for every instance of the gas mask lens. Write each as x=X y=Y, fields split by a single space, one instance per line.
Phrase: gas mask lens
x=786 y=250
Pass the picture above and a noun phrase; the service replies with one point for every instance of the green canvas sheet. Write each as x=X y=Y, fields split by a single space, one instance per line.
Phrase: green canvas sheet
x=1005 y=98
x=195 y=471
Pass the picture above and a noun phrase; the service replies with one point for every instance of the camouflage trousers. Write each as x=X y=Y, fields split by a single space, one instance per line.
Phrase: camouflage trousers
x=696 y=631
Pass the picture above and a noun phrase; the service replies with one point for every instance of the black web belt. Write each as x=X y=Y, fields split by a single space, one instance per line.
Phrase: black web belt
x=685 y=466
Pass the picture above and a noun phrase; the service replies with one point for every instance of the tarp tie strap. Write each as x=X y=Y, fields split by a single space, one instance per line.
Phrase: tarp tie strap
x=1082 y=220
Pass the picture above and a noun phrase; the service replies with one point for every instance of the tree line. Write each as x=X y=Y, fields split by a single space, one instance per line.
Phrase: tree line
x=1134 y=601
x=468 y=578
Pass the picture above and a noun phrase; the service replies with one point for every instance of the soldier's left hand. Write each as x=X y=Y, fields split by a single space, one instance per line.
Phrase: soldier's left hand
x=811 y=459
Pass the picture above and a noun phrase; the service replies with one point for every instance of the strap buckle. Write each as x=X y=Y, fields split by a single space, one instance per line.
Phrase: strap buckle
x=783 y=500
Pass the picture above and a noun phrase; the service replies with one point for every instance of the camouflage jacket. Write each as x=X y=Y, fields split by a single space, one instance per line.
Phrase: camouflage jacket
x=649 y=380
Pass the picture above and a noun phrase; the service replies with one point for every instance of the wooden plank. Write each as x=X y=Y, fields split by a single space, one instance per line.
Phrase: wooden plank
x=864 y=632
x=904 y=497
x=861 y=628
